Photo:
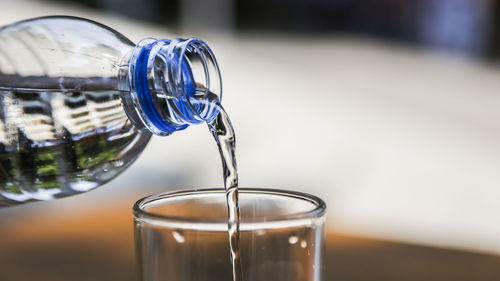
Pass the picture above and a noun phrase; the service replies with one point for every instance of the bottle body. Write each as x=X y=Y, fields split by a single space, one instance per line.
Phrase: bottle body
x=63 y=126
x=79 y=102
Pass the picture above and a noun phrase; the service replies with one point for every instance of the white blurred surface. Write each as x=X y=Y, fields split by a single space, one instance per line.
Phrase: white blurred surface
x=401 y=143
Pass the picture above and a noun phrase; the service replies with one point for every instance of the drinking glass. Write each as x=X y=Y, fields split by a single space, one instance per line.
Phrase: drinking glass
x=183 y=236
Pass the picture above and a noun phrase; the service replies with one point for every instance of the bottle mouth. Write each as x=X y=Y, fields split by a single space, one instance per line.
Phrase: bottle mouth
x=174 y=83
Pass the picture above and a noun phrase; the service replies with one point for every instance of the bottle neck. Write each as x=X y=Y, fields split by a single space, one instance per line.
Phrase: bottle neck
x=173 y=84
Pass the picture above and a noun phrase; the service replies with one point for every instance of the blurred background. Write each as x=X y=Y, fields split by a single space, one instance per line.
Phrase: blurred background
x=386 y=109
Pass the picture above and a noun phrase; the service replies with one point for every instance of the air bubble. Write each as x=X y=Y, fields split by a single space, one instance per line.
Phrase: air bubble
x=293 y=239
x=178 y=237
x=303 y=244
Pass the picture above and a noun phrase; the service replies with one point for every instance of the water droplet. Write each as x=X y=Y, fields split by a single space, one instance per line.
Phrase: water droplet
x=303 y=244
x=293 y=239
x=178 y=236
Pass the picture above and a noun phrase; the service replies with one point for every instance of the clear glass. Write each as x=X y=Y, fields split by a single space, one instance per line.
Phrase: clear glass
x=182 y=236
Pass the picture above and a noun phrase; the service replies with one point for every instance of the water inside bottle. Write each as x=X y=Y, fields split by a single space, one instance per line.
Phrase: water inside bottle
x=54 y=144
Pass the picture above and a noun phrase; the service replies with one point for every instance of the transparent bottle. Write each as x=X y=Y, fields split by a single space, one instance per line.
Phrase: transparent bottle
x=79 y=102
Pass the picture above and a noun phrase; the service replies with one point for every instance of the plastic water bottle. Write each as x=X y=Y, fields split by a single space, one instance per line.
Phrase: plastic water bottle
x=79 y=102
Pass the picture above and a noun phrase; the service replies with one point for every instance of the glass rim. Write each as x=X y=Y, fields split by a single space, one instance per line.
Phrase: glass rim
x=308 y=217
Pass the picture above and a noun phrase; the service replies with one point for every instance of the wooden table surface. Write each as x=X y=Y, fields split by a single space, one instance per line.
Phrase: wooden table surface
x=99 y=246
